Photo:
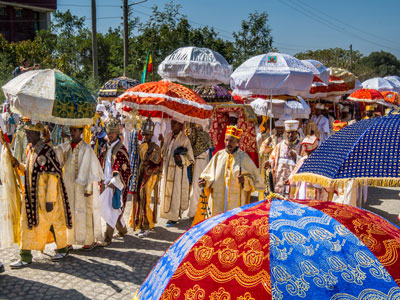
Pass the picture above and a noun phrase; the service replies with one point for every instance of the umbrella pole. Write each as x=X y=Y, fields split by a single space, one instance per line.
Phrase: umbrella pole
x=270 y=113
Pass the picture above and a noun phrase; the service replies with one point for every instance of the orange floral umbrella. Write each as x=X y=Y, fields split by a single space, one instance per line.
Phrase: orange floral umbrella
x=165 y=99
x=369 y=96
x=391 y=97
x=366 y=95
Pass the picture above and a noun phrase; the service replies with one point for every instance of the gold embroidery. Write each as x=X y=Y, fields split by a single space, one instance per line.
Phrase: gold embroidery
x=215 y=274
x=196 y=293
x=253 y=258
x=204 y=253
x=229 y=255
x=221 y=294
x=171 y=293
x=246 y=296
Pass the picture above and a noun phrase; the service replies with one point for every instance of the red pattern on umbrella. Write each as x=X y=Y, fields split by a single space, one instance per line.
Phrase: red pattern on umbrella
x=337 y=86
x=165 y=97
x=234 y=253
x=366 y=95
x=318 y=86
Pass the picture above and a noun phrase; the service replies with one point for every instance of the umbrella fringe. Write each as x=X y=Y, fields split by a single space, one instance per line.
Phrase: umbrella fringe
x=329 y=182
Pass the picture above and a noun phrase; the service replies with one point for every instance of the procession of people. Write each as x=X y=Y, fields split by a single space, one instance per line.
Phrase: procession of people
x=69 y=172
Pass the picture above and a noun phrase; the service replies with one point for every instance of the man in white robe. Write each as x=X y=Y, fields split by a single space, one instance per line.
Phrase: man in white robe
x=284 y=158
x=114 y=160
x=82 y=173
x=322 y=122
x=231 y=176
x=177 y=155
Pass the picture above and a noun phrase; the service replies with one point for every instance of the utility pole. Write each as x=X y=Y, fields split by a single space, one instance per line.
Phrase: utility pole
x=351 y=58
x=126 y=35
x=94 y=43
x=125 y=9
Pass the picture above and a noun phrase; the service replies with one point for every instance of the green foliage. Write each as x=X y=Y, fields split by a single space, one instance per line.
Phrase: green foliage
x=254 y=38
x=376 y=64
x=333 y=57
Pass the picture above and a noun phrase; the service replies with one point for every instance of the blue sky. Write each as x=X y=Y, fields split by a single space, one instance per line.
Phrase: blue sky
x=297 y=25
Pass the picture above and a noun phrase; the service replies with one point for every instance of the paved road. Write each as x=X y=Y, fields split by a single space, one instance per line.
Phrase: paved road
x=117 y=271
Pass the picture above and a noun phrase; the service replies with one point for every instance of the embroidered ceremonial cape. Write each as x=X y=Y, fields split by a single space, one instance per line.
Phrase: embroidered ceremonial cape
x=120 y=165
x=44 y=162
x=150 y=166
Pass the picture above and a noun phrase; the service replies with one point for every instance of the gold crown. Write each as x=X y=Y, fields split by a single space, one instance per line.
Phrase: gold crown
x=34 y=127
x=233 y=131
x=112 y=125
x=148 y=126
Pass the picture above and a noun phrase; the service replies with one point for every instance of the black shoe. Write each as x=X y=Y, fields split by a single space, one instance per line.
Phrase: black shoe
x=171 y=223
x=2 y=268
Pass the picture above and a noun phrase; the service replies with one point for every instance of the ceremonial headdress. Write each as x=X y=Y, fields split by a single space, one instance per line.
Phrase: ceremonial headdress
x=320 y=106
x=148 y=126
x=34 y=127
x=310 y=143
x=337 y=125
x=233 y=131
x=112 y=125
x=291 y=125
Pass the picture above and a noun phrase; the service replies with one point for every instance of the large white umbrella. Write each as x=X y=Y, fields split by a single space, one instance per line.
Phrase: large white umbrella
x=272 y=74
x=193 y=65
x=318 y=69
x=395 y=80
x=380 y=84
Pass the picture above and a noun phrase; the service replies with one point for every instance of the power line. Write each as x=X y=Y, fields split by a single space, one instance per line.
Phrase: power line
x=332 y=25
x=347 y=24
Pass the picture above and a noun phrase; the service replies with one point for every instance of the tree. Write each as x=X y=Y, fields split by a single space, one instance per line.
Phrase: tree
x=254 y=38
x=333 y=57
x=378 y=64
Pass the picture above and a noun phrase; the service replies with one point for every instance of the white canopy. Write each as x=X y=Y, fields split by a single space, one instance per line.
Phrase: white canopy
x=192 y=65
x=318 y=69
x=395 y=80
x=296 y=108
x=271 y=74
x=380 y=84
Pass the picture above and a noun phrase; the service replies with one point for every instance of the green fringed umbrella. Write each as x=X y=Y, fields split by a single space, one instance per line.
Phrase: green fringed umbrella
x=51 y=96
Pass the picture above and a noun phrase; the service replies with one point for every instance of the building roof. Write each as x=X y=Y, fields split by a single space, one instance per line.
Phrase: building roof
x=42 y=5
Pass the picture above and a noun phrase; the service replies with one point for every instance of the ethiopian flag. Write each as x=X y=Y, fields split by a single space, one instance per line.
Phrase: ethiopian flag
x=148 y=67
